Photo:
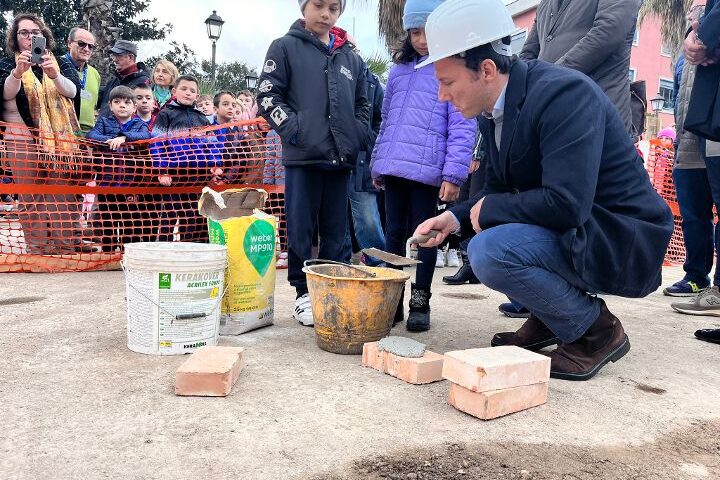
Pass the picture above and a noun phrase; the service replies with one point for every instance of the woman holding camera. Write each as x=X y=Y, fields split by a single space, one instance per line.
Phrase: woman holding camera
x=40 y=93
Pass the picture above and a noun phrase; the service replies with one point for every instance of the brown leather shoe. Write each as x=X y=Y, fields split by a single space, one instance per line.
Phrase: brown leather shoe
x=533 y=335
x=605 y=341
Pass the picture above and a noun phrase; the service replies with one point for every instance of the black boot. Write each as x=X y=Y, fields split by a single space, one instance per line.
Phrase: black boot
x=464 y=275
x=400 y=312
x=419 y=317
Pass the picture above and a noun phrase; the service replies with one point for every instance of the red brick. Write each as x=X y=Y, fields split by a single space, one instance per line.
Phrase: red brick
x=497 y=403
x=372 y=357
x=209 y=372
x=496 y=368
x=425 y=369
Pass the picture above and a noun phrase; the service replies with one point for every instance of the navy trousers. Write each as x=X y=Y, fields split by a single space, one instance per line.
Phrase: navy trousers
x=314 y=196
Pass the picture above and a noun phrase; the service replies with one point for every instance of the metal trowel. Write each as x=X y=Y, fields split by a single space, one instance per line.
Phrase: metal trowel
x=397 y=260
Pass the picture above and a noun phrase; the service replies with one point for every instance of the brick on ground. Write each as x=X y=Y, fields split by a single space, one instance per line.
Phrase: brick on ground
x=495 y=368
x=418 y=371
x=209 y=372
x=497 y=403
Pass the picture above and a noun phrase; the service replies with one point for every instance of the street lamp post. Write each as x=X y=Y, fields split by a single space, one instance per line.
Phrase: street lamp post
x=214 y=28
x=657 y=105
x=251 y=81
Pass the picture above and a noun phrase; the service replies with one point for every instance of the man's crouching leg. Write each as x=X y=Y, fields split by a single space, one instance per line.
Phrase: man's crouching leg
x=527 y=263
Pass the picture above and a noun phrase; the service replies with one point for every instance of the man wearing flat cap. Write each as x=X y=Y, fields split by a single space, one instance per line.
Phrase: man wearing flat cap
x=128 y=72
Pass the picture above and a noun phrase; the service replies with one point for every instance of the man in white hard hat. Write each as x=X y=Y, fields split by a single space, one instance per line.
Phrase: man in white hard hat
x=567 y=209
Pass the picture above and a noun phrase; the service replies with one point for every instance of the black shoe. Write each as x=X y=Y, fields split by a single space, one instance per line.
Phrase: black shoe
x=400 y=312
x=709 y=335
x=463 y=275
x=419 y=317
x=514 y=310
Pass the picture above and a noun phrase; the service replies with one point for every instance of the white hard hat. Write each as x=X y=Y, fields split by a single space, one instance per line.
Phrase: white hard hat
x=460 y=25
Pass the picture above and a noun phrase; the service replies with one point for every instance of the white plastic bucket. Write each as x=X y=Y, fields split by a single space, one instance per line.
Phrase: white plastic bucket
x=174 y=291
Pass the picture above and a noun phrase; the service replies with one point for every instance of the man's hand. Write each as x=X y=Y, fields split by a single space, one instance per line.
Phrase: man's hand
x=474 y=165
x=449 y=192
x=695 y=51
x=378 y=184
x=114 y=143
x=49 y=66
x=444 y=223
x=475 y=215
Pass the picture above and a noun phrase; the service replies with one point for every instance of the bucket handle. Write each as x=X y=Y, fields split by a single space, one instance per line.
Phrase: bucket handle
x=320 y=261
x=182 y=316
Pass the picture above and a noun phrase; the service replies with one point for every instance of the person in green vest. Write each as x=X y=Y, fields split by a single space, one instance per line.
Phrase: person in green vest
x=81 y=45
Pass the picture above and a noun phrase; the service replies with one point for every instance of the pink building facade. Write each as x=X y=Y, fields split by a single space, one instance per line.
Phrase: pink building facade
x=649 y=60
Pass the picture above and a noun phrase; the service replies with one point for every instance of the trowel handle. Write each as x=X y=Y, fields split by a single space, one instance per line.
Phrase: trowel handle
x=420 y=238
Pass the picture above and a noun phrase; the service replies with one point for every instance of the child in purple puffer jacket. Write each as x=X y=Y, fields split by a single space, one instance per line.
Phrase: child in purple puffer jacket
x=422 y=153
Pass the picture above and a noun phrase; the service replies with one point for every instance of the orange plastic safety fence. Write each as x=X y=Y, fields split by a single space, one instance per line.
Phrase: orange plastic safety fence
x=659 y=166
x=70 y=204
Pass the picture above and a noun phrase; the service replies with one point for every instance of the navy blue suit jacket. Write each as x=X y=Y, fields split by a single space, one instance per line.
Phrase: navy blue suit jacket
x=566 y=163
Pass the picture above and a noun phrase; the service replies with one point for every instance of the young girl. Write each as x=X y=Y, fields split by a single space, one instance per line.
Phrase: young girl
x=422 y=153
x=164 y=76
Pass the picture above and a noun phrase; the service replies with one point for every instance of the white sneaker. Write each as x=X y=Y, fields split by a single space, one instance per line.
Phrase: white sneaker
x=453 y=260
x=303 y=311
x=440 y=262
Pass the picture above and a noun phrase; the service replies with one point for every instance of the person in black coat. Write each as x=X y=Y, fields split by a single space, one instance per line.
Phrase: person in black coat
x=313 y=92
x=128 y=72
x=567 y=209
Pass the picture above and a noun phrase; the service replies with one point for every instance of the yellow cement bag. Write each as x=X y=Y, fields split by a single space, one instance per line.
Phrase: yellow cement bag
x=250 y=236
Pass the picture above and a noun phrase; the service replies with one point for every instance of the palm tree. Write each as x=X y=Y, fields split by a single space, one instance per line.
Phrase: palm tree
x=390 y=13
x=671 y=15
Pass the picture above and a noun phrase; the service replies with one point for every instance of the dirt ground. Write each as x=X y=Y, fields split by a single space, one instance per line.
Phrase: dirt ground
x=76 y=403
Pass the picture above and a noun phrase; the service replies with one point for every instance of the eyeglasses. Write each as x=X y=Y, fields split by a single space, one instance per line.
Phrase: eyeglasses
x=29 y=33
x=82 y=45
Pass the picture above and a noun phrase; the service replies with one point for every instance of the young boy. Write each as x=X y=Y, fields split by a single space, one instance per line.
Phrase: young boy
x=119 y=212
x=205 y=105
x=182 y=159
x=313 y=93
x=145 y=102
x=225 y=106
x=122 y=125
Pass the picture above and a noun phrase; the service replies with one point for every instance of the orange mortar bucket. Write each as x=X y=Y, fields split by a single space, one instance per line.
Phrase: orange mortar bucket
x=351 y=304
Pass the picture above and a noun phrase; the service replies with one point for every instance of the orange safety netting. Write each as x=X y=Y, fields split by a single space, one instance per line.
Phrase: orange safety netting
x=69 y=204
x=659 y=165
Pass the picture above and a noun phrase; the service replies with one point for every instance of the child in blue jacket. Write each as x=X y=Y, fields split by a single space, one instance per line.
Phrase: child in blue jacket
x=119 y=212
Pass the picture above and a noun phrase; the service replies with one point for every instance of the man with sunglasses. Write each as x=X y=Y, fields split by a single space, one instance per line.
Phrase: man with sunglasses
x=81 y=45
x=128 y=72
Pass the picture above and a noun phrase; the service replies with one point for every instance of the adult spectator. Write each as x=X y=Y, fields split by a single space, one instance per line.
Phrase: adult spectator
x=40 y=97
x=567 y=209
x=164 y=76
x=128 y=72
x=594 y=37
x=81 y=45
x=703 y=118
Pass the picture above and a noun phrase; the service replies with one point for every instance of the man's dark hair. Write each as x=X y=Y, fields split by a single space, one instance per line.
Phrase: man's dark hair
x=475 y=56
x=187 y=78
x=122 y=92
x=216 y=98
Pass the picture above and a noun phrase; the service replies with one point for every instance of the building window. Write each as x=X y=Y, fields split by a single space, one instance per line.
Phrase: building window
x=518 y=41
x=665 y=50
x=636 y=38
x=666 y=91
x=632 y=74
